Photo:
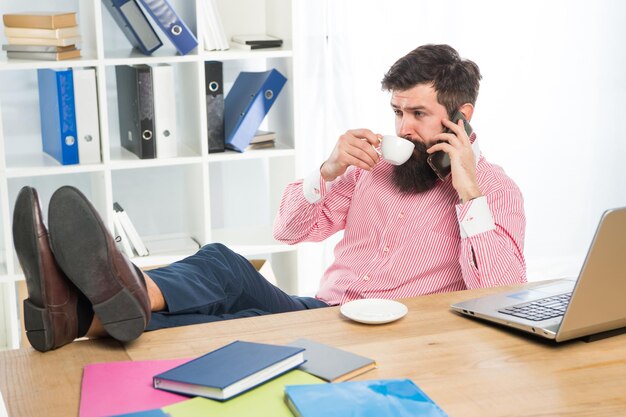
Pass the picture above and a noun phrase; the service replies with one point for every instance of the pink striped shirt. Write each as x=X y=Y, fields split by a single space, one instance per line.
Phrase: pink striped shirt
x=400 y=245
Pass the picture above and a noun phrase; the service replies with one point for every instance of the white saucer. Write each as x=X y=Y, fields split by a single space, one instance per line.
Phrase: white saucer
x=374 y=310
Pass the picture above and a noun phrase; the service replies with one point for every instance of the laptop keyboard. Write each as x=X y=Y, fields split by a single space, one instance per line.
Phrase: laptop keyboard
x=542 y=309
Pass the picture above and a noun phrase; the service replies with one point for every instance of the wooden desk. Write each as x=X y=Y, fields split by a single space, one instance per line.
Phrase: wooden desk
x=469 y=368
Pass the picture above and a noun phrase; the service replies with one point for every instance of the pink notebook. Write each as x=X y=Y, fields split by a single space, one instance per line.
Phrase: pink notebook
x=111 y=388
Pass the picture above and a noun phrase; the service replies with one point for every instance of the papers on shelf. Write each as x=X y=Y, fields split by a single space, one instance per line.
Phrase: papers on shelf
x=213 y=36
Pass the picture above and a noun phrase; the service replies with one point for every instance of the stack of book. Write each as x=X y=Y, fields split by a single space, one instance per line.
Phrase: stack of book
x=256 y=41
x=262 y=139
x=48 y=36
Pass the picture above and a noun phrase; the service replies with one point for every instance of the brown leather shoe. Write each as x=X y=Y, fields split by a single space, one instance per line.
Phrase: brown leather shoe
x=86 y=252
x=55 y=312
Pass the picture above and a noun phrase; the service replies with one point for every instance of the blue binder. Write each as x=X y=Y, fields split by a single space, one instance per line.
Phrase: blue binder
x=129 y=17
x=247 y=103
x=173 y=26
x=58 y=114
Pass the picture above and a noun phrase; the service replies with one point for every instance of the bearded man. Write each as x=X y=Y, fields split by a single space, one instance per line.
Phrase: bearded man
x=407 y=232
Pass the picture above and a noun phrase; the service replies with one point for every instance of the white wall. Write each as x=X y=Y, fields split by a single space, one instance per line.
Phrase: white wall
x=549 y=111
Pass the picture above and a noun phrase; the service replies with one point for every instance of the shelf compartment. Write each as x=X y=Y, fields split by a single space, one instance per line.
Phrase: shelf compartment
x=245 y=199
x=164 y=200
x=24 y=156
x=188 y=99
x=280 y=117
x=117 y=46
x=86 y=24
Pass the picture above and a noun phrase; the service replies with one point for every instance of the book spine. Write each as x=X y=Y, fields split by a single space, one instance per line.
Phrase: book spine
x=40 y=21
x=130 y=231
x=43 y=41
x=213 y=74
x=69 y=133
x=236 y=106
x=255 y=46
x=87 y=122
x=38 y=48
x=164 y=111
x=121 y=238
x=128 y=110
x=174 y=27
x=58 y=120
x=41 y=56
x=42 y=33
x=255 y=93
x=145 y=102
x=134 y=24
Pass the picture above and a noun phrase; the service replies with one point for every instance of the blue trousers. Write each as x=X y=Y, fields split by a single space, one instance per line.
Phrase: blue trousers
x=218 y=284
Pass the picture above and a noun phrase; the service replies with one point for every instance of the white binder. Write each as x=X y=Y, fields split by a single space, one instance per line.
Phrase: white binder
x=121 y=238
x=87 y=122
x=164 y=111
x=129 y=229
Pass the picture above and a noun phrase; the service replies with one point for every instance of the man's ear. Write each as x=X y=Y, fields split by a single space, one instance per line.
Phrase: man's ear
x=467 y=110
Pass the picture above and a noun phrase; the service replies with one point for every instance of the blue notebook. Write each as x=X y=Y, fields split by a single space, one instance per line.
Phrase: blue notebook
x=230 y=370
x=377 y=398
x=58 y=114
x=247 y=103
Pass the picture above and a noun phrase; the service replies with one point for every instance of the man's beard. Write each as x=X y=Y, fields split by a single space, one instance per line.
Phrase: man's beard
x=415 y=175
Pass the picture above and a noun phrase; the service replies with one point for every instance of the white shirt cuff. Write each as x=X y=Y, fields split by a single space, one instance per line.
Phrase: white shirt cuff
x=314 y=187
x=475 y=217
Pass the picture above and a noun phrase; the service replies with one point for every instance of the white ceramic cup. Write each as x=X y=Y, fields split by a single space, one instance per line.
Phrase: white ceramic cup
x=396 y=150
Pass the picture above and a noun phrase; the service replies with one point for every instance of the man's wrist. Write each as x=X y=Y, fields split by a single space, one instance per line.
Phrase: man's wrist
x=324 y=174
x=465 y=200
x=470 y=195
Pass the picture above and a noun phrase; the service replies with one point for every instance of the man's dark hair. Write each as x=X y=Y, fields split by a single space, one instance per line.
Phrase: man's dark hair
x=455 y=80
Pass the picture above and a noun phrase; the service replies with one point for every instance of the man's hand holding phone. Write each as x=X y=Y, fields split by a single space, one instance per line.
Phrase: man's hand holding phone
x=455 y=143
x=355 y=147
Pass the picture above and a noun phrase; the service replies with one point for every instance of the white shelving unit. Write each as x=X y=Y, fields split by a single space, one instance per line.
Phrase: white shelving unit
x=223 y=197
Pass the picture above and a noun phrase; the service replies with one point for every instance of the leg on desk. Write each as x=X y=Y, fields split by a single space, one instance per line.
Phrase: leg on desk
x=55 y=312
x=212 y=285
x=217 y=284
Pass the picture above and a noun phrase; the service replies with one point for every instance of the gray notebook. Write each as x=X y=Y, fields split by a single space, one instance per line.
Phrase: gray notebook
x=331 y=363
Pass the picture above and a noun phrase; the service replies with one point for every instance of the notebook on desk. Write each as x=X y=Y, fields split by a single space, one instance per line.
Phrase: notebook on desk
x=592 y=304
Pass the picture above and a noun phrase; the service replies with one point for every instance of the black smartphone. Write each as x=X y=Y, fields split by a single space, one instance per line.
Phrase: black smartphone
x=440 y=161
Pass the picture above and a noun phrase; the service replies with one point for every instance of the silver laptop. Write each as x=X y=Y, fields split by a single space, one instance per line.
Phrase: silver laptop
x=592 y=304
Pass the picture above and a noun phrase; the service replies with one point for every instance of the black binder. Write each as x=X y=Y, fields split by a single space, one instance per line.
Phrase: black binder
x=133 y=22
x=213 y=76
x=135 y=104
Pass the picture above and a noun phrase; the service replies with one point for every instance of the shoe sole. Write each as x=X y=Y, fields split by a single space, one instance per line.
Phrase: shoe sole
x=78 y=240
x=37 y=319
